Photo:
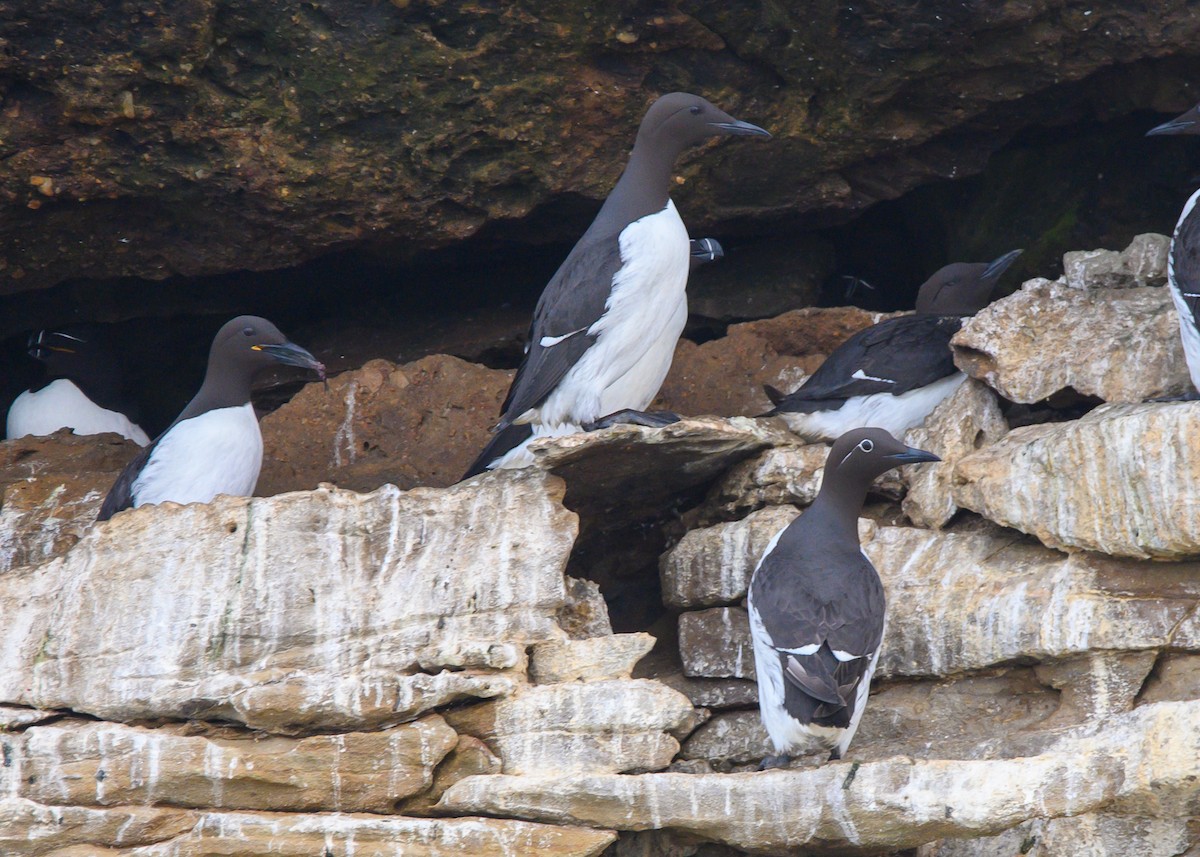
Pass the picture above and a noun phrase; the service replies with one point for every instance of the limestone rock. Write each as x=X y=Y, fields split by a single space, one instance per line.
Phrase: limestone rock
x=713 y=565
x=788 y=473
x=29 y=829
x=51 y=489
x=1119 y=345
x=594 y=659
x=597 y=726
x=470 y=757
x=1122 y=480
x=323 y=610
x=1146 y=758
x=967 y=601
x=716 y=643
x=1001 y=715
x=107 y=764
x=157 y=833
x=418 y=424
x=967 y=420
x=1096 y=834
x=1142 y=263
x=716 y=693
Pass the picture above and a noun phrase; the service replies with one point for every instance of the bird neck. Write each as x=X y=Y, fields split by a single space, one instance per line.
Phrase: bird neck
x=226 y=385
x=644 y=187
x=836 y=509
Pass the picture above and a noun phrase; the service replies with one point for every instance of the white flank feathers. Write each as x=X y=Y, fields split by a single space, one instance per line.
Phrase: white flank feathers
x=1187 y=327
x=897 y=414
x=60 y=404
x=636 y=335
x=217 y=452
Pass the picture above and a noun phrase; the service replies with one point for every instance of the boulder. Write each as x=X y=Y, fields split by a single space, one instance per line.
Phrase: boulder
x=1144 y=758
x=1117 y=345
x=313 y=611
x=422 y=423
x=1121 y=480
x=1142 y=263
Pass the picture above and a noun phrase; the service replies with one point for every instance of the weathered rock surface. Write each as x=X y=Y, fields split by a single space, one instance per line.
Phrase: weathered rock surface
x=716 y=643
x=586 y=727
x=967 y=420
x=1145 y=758
x=788 y=473
x=1142 y=263
x=594 y=659
x=31 y=830
x=713 y=565
x=1122 y=480
x=959 y=602
x=329 y=609
x=418 y=424
x=148 y=155
x=51 y=489
x=1119 y=345
x=78 y=763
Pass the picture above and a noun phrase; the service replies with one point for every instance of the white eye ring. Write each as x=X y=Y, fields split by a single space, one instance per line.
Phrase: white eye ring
x=866 y=445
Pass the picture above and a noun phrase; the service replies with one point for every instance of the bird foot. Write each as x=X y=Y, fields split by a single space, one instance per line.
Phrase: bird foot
x=780 y=761
x=1193 y=396
x=630 y=417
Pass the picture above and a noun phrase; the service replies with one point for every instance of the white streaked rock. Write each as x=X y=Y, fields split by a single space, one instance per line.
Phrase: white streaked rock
x=1122 y=480
x=1145 y=758
x=313 y=610
x=1120 y=345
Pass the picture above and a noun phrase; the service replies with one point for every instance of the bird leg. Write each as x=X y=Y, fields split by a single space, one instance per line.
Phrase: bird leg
x=780 y=761
x=630 y=417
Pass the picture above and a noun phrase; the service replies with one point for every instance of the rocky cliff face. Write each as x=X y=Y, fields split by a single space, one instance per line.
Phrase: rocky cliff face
x=201 y=137
x=420 y=671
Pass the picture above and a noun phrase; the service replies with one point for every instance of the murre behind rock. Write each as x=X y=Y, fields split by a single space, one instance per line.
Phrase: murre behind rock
x=1183 y=259
x=816 y=606
x=605 y=328
x=893 y=374
x=82 y=388
x=214 y=446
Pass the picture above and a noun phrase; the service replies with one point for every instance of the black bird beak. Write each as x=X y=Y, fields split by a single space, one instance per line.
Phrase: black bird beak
x=912 y=455
x=706 y=250
x=1185 y=123
x=291 y=354
x=741 y=129
x=998 y=267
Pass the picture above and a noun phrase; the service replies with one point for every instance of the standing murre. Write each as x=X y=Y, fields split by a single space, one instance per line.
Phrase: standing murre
x=893 y=374
x=817 y=606
x=82 y=388
x=214 y=446
x=1183 y=258
x=605 y=328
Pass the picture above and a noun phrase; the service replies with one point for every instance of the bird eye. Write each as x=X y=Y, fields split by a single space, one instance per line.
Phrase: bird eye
x=696 y=110
x=248 y=331
x=866 y=445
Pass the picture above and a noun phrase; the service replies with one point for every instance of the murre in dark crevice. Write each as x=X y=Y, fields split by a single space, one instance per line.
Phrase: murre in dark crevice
x=214 y=446
x=893 y=374
x=816 y=606
x=605 y=327
x=81 y=388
